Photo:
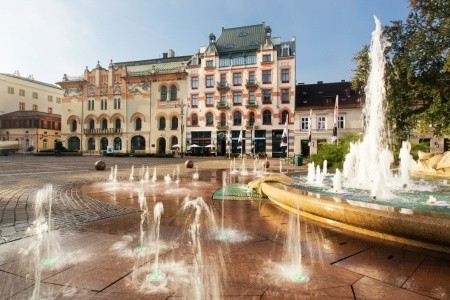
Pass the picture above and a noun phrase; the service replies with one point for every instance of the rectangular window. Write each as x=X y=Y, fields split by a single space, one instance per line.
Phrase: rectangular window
x=209 y=99
x=194 y=83
x=251 y=97
x=251 y=77
x=50 y=98
x=285 y=75
x=237 y=98
x=22 y=93
x=304 y=124
x=21 y=105
x=321 y=122
x=238 y=61
x=237 y=78
x=285 y=95
x=267 y=57
x=267 y=76
x=285 y=51
x=341 y=121
x=224 y=62
x=10 y=90
x=209 y=63
x=35 y=107
x=209 y=81
x=223 y=80
x=267 y=96
x=223 y=99
x=35 y=95
x=58 y=100
x=50 y=110
x=194 y=100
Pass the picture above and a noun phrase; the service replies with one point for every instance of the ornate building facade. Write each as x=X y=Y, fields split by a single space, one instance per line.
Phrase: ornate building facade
x=129 y=107
x=242 y=84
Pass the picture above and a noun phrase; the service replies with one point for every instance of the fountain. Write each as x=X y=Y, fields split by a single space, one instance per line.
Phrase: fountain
x=367 y=196
x=156 y=275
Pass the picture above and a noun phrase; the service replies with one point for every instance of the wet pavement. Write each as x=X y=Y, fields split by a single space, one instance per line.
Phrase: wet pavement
x=97 y=227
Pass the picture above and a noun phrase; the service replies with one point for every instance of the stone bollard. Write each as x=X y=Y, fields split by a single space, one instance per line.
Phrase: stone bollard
x=189 y=164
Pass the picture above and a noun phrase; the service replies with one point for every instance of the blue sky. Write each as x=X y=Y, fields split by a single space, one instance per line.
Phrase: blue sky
x=48 y=38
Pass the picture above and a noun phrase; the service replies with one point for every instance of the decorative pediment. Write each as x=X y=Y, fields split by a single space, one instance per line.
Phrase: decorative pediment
x=91 y=91
x=72 y=92
x=139 y=88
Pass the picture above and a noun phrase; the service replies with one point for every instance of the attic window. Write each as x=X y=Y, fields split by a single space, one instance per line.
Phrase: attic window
x=229 y=46
x=242 y=34
x=254 y=43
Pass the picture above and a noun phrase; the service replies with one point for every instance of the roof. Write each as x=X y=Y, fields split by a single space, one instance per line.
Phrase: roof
x=28 y=114
x=152 y=66
x=31 y=80
x=322 y=95
x=244 y=38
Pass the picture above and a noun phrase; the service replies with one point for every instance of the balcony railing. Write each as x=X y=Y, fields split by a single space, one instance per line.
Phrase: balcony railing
x=251 y=104
x=222 y=105
x=222 y=127
x=222 y=86
x=102 y=131
x=251 y=85
x=250 y=127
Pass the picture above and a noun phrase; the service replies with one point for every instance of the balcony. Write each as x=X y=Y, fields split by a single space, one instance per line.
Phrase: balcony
x=222 y=86
x=222 y=105
x=222 y=127
x=251 y=85
x=101 y=131
x=250 y=127
x=251 y=104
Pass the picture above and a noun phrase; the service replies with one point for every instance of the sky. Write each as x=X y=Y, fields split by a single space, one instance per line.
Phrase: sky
x=50 y=38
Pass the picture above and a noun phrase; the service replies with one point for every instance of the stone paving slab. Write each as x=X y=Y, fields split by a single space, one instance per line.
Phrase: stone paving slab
x=98 y=230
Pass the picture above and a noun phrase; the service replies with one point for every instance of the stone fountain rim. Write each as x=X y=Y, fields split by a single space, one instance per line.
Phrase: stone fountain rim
x=417 y=228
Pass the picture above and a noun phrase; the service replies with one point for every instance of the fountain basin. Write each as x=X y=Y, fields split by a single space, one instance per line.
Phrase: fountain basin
x=408 y=226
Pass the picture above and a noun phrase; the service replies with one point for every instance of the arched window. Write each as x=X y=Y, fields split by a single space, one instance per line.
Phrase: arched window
x=173 y=93
x=118 y=124
x=117 y=144
x=163 y=93
x=194 y=120
x=91 y=144
x=74 y=126
x=284 y=116
x=237 y=118
x=162 y=123
x=103 y=143
x=104 y=124
x=174 y=123
x=251 y=118
x=174 y=141
x=138 y=124
x=44 y=143
x=267 y=117
x=91 y=124
x=209 y=119
x=223 y=119
x=116 y=103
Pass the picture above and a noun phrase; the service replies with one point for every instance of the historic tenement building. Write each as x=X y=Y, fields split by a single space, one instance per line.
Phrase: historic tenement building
x=30 y=112
x=243 y=81
x=133 y=106
x=315 y=114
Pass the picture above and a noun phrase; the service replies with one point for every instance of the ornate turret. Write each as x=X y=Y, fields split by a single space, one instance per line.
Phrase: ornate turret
x=212 y=38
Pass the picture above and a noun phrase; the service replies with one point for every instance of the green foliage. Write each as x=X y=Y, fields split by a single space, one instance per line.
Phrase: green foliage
x=415 y=148
x=334 y=154
x=59 y=146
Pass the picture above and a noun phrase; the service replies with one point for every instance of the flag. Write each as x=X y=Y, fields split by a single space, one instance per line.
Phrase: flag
x=336 y=107
x=284 y=136
x=309 y=127
x=253 y=136
x=240 y=140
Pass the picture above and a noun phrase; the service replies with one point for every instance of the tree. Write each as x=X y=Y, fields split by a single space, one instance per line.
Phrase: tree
x=418 y=69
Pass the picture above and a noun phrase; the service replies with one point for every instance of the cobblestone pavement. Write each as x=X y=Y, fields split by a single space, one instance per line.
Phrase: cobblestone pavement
x=21 y=176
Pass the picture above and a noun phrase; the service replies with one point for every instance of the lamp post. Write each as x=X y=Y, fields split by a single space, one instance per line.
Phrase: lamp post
x=182 y=126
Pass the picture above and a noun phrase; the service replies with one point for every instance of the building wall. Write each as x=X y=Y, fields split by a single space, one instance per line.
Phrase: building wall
x=48 y=95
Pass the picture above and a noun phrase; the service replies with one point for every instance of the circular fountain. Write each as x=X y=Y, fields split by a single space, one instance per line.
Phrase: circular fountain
x=367 y=168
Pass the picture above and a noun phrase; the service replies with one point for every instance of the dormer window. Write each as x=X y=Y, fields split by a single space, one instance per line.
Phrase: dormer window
x=229 y=46
x=285 y=50
x=209 y=63
x=242 y=34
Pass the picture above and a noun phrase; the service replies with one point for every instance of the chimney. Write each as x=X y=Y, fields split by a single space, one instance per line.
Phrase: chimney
x=171 y=53
x=319 y=82
x=164 y=54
